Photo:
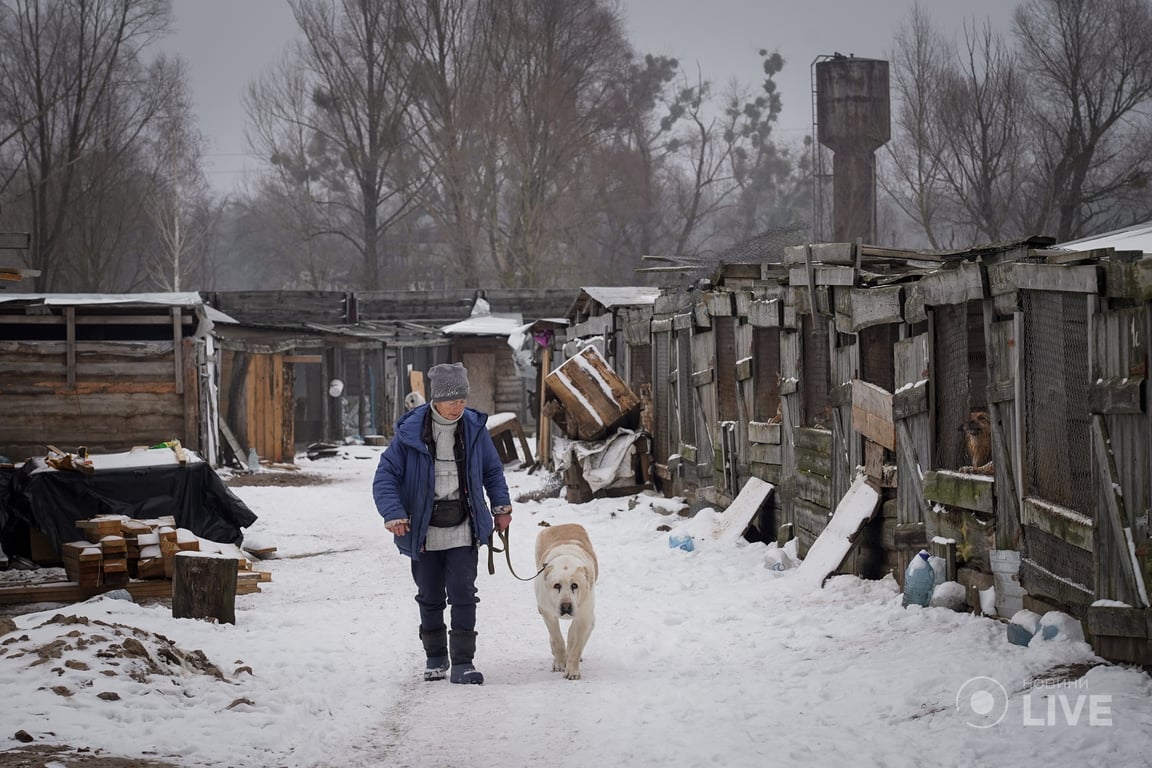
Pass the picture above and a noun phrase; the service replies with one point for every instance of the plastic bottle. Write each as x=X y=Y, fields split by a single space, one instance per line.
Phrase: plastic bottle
x=919 y=580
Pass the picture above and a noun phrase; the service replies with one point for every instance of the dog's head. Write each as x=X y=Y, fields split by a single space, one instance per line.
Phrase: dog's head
x=977 y=422
x=567 y=584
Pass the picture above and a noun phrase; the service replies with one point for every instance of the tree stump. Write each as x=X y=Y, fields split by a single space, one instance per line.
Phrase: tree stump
x=204 y=587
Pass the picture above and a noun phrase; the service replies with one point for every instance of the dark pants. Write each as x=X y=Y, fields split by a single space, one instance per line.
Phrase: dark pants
x=447 y=577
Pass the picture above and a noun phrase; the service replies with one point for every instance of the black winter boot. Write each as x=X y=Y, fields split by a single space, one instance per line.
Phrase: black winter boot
x=462 y=649
x=436 y=649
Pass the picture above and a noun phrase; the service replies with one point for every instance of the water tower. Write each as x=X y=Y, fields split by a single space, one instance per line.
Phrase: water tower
x=853 y=120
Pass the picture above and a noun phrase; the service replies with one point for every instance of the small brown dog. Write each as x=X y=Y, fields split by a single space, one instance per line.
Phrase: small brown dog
x=978 y=442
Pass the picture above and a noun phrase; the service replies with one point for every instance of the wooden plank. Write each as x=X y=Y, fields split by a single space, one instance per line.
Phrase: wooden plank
x=1054 y=277
x=826 y=555
x=72 y=592
x=764 y=432
x=719 y=303
x=700 y=378
x=1118 y=621
x=959 y=489
x=910 y=400
x=177 y=349
x=914 y=308
x=765 y=314
x=1117 y=517
x=765 y=453
x=1122 y=395
x=823 y=252
x=1129 y=281
x=876 y=306
x=191 y=398
x=953 y=286
x=813 y=487
x=90 y=319
x=237 y=449
x=70 y=364
x=822 y=275
x=910 y=469
x=1038 y=580
x=700 y=316
x=1068 y=525
x=872 y=413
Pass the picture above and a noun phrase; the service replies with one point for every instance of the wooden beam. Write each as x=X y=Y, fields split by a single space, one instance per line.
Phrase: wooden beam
x=7 y=319
x=960 y=489
x=177 y=351
x=1114 y=508
x=1053 y=277
x=70 y=336
x=1065 y=524
x=872 y=413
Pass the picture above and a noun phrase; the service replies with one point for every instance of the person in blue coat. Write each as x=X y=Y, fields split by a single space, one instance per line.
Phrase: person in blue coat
x=430 y=488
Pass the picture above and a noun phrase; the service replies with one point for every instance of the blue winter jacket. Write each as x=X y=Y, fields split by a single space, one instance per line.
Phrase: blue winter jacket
x=405 y=480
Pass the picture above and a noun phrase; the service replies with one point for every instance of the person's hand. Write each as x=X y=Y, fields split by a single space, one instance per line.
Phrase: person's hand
x=397 y=527
x=502 y=518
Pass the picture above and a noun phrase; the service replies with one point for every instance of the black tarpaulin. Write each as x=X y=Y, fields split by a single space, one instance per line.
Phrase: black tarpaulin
x=52 y=501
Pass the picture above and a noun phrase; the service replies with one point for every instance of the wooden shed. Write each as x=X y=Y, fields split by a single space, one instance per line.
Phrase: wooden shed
x=106 y=371
x=996 y=396
x=293 y=371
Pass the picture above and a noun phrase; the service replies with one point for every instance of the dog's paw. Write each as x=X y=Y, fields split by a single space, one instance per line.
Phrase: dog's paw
x=559 y=665
x=572 y=674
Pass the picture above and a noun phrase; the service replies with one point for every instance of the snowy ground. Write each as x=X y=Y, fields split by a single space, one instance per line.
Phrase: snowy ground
x=698 y=658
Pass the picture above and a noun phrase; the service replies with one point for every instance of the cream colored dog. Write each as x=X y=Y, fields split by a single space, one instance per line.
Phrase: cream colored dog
x=565 y=589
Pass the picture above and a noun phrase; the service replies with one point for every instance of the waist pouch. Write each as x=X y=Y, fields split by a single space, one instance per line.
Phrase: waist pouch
x=447 y=514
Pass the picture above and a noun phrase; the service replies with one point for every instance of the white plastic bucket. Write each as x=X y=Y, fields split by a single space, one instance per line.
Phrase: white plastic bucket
x=1006 y=576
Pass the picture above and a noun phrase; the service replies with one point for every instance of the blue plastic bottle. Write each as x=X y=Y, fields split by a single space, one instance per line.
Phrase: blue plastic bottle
x=919 y=580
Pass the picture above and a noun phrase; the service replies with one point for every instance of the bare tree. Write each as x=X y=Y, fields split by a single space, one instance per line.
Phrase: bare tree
x=554 y=66
x=334 y=115
x=981 y=106
x=454 y=126
x=74 y=81
x=181 y=206
x=913 y=174
x=1090 y=68
x=772 y=187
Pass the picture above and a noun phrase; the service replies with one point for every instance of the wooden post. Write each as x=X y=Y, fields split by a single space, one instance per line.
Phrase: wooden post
x=204 y=587
x=543 y=423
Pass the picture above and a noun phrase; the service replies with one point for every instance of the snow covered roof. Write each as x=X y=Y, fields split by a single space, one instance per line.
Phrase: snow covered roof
x=1135 y=238
x=174 y=299
x=483 y=322
x=623 y=295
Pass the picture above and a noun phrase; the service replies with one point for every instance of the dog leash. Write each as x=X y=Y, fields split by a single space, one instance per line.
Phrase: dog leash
x=492 y=550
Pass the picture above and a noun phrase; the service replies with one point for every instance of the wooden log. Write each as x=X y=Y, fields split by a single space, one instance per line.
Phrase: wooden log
x=204 y=587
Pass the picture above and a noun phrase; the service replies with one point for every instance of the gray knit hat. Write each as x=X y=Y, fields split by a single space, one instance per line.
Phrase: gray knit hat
x=448 y=382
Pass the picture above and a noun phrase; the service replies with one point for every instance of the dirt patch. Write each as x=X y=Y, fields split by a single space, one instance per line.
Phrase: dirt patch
x=38 y=755
x=284 y=479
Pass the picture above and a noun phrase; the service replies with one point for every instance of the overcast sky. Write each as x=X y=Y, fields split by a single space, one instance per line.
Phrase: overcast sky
x=229 y=42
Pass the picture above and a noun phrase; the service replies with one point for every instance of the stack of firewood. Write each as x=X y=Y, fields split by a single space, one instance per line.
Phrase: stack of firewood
x=117 y=549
